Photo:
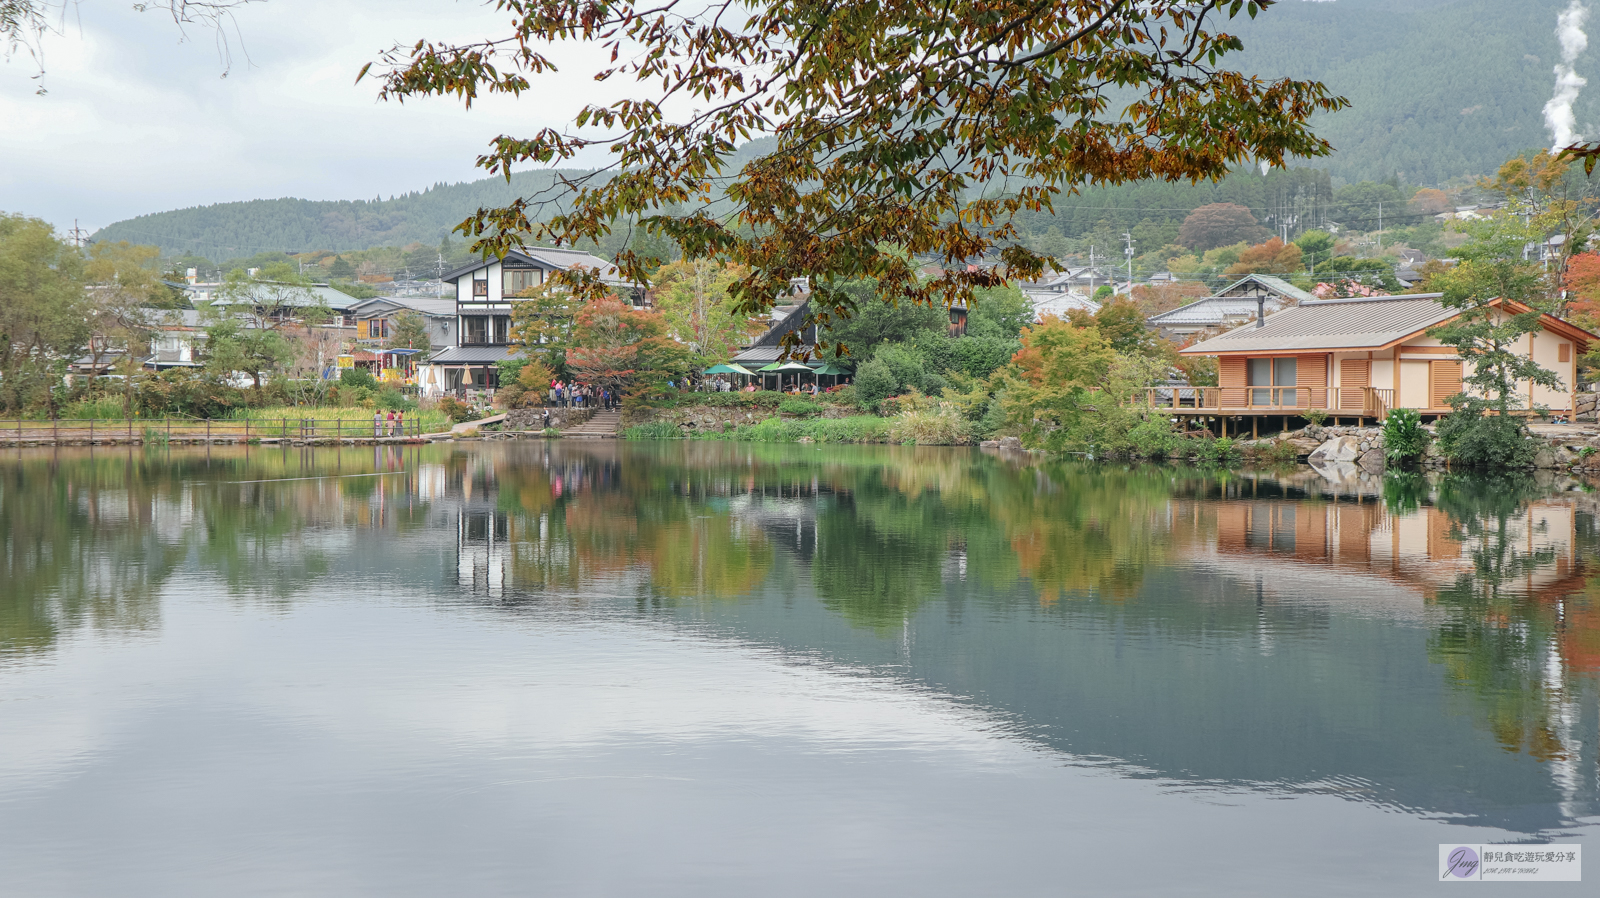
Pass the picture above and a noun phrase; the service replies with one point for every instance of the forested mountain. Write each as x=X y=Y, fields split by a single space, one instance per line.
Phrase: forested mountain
x=1441 y=91
x=235 y=230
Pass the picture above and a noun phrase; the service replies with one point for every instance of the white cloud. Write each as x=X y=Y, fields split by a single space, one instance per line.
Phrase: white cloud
x=139 y=119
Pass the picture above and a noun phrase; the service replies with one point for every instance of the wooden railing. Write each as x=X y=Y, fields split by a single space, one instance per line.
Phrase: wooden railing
x=1371 y=402
x=184 y=430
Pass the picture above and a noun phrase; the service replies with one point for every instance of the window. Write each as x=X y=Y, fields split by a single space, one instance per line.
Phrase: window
x=1564 y=353
x=502 y=329
x=1267 y=373
x=516 y=280
x=475 y=329
x=480 y=285
x=378 y=329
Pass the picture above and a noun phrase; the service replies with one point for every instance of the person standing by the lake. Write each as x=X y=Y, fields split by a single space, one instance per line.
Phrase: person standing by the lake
x=377 y=424
x=399 y=424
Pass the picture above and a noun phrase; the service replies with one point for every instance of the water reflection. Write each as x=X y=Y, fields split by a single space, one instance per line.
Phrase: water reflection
x=1428 y=643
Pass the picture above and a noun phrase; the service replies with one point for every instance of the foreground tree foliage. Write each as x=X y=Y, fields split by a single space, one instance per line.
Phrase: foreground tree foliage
x=44 y=314
x=898 y=129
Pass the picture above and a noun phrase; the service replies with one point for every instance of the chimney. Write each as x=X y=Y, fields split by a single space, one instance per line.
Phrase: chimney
x=1261 y=310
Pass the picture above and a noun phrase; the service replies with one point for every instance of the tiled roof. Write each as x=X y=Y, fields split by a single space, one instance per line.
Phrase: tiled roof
x=1364 y=323
x=1212 y=311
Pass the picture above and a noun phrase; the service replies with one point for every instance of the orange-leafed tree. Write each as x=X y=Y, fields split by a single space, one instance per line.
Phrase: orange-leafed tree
x=624 y=349
x=1583 y=287
x=1272 y=257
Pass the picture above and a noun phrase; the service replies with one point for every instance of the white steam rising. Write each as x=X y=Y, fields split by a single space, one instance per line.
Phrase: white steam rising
x=1558 y=116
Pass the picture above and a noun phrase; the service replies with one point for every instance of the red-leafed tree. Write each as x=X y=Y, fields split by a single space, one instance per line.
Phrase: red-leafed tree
x=621 y=348
x=1583 y=288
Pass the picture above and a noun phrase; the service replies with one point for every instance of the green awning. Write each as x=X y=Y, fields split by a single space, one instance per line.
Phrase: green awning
x=723 y=369
x=788 y=366
x=832 y=369
x=740 y=369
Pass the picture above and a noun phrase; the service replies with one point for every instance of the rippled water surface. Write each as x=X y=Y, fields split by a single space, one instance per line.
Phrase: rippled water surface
x=729 y=670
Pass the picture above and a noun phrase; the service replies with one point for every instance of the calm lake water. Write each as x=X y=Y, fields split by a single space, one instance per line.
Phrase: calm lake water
x=729 y=670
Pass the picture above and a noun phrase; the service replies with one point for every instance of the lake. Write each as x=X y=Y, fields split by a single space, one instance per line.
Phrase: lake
x=721 y=669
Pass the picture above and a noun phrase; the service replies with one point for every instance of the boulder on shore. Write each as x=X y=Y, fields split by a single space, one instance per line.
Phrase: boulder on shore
x=1373 y=461
x=1338 y=449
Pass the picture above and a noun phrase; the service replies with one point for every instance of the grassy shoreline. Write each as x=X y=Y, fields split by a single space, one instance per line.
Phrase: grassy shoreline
x=853 y=429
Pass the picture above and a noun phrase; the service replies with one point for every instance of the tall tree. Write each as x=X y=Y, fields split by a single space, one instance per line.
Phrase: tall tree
x=43 y=310
x=692 y=297
x=900 y=129
x=1500 y=296
x=1220 y=224
x=125 y=298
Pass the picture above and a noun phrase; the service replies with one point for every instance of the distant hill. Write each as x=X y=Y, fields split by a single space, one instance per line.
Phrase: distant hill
x=1441 y=89
x=234 y=230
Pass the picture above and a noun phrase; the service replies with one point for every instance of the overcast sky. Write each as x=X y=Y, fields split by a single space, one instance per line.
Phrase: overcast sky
x=138 y=117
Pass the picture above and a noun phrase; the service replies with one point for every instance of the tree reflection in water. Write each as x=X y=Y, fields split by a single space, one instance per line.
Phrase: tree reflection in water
x=1498 y=567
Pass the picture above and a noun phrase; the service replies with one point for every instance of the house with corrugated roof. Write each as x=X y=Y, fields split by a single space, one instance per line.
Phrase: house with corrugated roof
x=1233 y=305
x=1362 y=357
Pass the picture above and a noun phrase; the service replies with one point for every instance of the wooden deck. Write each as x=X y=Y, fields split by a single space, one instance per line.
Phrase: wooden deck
x=1362 y=402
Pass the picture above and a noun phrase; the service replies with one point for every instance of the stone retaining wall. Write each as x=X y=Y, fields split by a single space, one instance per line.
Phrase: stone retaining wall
x=533 y=418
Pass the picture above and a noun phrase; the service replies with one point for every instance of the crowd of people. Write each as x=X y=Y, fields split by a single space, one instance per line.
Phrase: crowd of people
x=569 y=395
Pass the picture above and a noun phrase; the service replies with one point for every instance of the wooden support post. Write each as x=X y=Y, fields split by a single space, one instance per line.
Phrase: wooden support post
x=1255 y=427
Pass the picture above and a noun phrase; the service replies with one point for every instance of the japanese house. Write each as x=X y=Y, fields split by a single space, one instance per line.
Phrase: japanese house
x=1360 y=358
x=484 y=290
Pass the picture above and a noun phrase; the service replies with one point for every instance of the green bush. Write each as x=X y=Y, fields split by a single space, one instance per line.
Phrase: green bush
x=1470 y=438
x=392 y=400
x=1316 y=417
x=1403 y=436
x=358 y=377
x=1153 y=438
x=875 y=382
x=906 y=365
x=801 y=407
x=456 y=410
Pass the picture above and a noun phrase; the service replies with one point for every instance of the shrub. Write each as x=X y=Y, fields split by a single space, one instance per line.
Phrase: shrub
x=1153 y=438
x=875 y=382
x=801 y=407
x=931 y=425
x=1222 y=449
x=934 y=384
x=1469 y=437
x=1403 y=436
x=358 y=377
x=456 y=410
x=909 y=368
x=392 y=400
x=1316 y=417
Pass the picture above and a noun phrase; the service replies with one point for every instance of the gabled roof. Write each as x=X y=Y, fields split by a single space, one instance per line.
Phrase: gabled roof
x=1372 y=322
x=1272 y=284
x=427 y=305
x=1212 y=311
x=766 y=348
x=550 y=259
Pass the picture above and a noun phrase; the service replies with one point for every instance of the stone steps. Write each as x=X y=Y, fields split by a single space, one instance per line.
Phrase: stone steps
x=603 y=426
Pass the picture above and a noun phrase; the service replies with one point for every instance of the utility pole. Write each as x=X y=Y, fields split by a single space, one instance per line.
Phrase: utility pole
x=1091 y=271
x=77 y=234
x=1380 y=228
x=1128 y=236
x=441 y=276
